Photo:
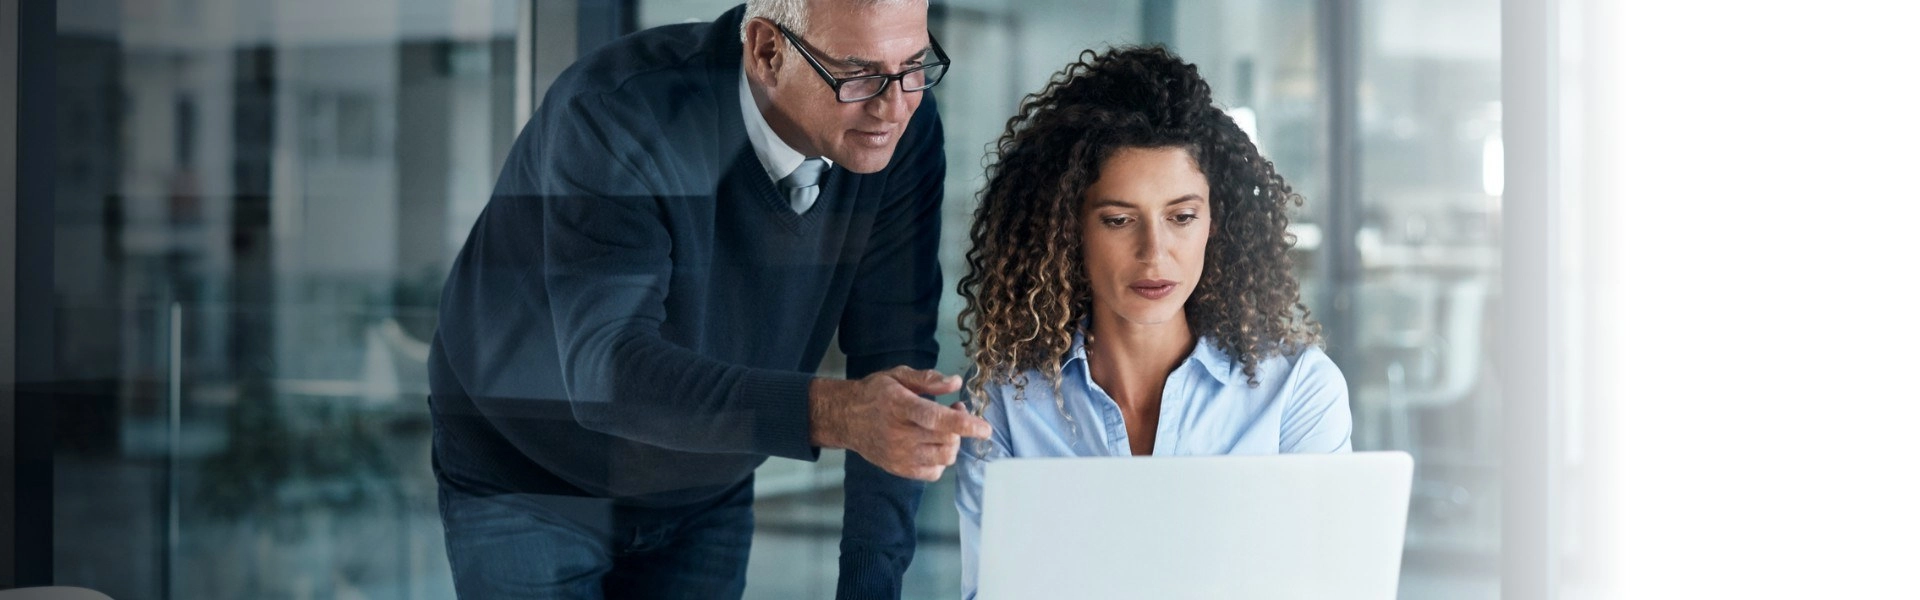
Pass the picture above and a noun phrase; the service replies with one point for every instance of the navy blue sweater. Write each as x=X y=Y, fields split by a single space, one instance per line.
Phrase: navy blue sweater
x=637 y=313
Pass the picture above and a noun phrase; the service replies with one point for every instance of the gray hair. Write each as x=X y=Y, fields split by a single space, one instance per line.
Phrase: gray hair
x=793 y=13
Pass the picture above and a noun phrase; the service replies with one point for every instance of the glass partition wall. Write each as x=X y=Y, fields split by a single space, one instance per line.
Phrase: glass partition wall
x=256 y=204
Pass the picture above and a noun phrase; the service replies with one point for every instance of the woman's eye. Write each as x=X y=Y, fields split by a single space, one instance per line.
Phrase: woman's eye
x=1185 y=218
x=1119 y=221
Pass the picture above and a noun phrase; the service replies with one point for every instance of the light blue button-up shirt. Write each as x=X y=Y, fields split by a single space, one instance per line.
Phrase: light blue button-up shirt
x=1206 y=408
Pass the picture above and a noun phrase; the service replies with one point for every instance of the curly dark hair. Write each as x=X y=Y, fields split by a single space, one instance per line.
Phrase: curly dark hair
x=1026 y=286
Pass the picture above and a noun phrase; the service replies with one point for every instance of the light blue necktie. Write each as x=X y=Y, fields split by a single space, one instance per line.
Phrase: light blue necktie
x=803 y=186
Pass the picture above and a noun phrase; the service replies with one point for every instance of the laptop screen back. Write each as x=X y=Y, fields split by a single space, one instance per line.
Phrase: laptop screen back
x=1320 y=526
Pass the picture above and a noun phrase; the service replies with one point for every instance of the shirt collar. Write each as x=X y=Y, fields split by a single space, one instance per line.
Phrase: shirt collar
x=778 y=158
x=1079 y=350
x=1210 y=356
x=1216 y=361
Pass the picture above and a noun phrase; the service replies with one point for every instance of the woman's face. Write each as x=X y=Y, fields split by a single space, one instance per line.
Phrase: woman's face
x=1144 y=225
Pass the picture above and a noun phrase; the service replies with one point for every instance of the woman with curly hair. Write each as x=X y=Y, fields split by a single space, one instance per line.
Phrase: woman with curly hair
x=1129 y=290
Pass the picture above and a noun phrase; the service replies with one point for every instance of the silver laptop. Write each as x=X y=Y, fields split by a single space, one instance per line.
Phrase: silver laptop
x=1319 y=526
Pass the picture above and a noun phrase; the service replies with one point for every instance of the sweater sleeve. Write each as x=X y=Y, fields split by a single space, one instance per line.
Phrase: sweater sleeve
x=889 y=321
x=608 y=262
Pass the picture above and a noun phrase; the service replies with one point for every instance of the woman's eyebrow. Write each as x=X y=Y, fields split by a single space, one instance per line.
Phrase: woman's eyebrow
x=1118 y=203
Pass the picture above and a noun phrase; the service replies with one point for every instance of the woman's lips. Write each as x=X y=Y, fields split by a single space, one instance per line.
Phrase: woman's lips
x=1152 y=289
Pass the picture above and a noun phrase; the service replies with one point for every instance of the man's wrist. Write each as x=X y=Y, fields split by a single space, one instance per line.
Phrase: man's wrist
x=823 y=394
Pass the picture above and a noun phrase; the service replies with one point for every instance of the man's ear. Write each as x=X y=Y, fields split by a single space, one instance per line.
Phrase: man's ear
x=763 y=56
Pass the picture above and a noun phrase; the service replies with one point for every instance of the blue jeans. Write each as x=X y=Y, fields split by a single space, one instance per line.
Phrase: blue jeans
x=538 y=546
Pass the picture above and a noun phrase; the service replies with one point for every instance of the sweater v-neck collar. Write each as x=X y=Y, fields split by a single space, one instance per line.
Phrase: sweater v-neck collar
x=747 y=173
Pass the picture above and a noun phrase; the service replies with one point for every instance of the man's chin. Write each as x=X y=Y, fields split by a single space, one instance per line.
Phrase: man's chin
x=866 y=163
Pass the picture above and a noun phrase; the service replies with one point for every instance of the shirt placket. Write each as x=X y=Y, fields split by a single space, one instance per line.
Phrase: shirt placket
x=1172 y=410
x=1113 y=424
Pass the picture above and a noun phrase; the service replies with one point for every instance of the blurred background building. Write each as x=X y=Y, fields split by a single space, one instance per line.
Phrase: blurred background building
x=256 y=202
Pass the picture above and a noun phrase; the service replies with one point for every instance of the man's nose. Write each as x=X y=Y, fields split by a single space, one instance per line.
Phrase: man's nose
x=891 y=105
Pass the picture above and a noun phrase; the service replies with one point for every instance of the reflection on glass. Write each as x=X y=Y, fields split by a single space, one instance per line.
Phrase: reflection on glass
x=257 y=202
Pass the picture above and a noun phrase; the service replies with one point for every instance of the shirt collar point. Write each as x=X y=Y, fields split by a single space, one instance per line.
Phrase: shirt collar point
x=778 y=158
x=1216 y=362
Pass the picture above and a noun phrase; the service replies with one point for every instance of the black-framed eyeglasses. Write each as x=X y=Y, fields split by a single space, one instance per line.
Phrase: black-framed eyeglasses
x=868 y=87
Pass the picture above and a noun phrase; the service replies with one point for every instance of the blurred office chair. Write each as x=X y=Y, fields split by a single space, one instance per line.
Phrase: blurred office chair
x=1429 y=347
x=1447 y=366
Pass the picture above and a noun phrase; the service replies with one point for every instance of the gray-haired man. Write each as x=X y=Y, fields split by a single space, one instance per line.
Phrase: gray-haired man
x=692 y=215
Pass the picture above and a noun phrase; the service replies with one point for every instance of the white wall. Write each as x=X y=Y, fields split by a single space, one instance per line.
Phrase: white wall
x=1756 y=223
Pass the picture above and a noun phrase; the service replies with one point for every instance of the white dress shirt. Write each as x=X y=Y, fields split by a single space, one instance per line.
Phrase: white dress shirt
x=778 y=158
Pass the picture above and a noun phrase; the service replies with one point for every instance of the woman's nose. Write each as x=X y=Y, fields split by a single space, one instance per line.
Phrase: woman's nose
x=1149 y=246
